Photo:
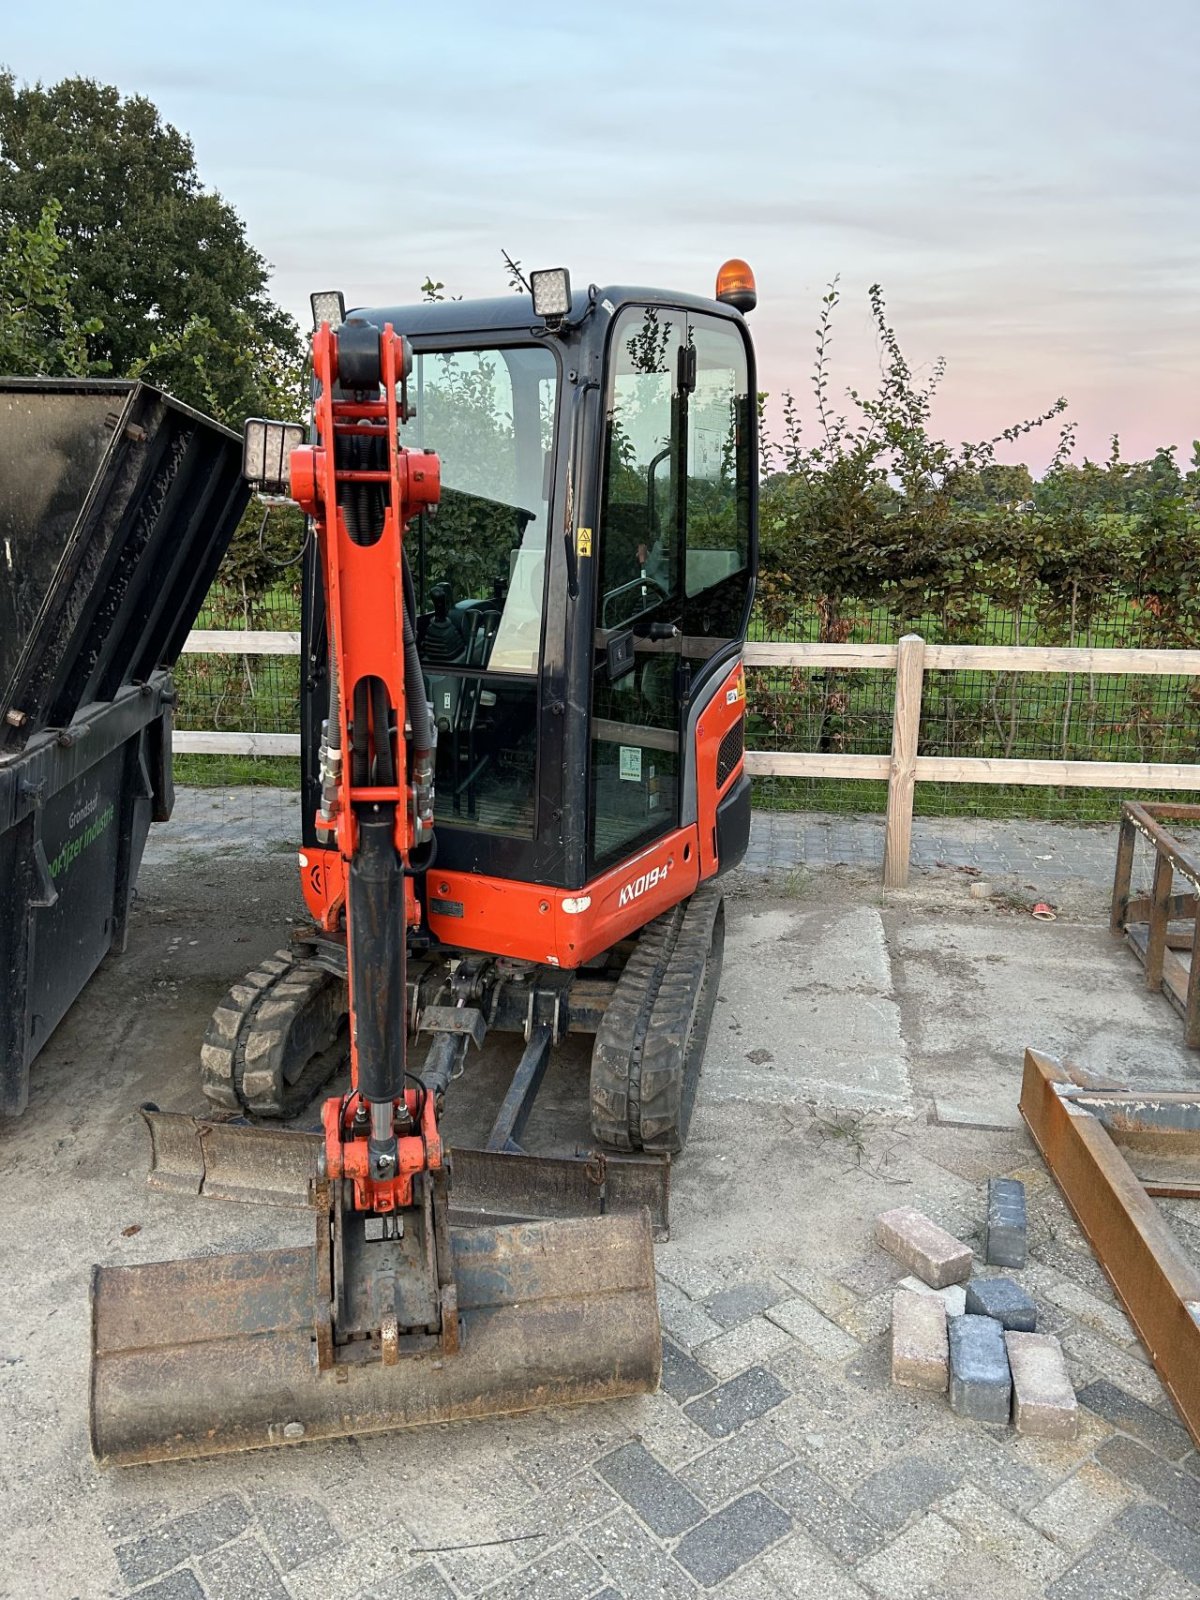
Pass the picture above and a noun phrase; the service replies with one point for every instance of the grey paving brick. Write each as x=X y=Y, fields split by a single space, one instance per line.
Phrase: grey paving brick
x=179 y=1586
x=1004 y=1235
x=241 y=1571
x=833 y=1521
x=980 y=1382
x=901 y=1488
x=1115 y=1568
x=195 y=1533
x=1004 y=1301
x=742 y=1399
x=658 y=1497
x=633 y=1563
x=683 y=1378
x=1168 y=1539
x=297 y=1529
x=741 y=1301
x=567 y=1573
x=1136 y=1465
x=737 y=1463
x=1131 y=1415
x=729 y=1539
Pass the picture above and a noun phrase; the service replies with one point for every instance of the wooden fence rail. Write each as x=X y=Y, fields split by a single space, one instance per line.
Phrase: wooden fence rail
x=903 y=769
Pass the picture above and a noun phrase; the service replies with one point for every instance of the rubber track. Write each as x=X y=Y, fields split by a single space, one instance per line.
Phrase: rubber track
x=245 y=1052
x=648 y=1049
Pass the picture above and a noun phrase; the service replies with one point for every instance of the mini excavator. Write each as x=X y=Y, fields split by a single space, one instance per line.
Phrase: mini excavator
x=525 y=599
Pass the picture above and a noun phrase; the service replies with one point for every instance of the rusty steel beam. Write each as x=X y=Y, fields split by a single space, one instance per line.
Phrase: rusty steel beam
x=1156 y=1282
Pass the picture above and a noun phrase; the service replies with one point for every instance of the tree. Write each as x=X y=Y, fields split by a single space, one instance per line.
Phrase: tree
x=41 y=334
x=164 y=281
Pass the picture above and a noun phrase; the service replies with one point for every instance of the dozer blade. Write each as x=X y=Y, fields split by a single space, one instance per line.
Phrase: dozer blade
x=217 y=1354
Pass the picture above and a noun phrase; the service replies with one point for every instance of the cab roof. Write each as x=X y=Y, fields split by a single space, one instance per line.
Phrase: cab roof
x=513 y=313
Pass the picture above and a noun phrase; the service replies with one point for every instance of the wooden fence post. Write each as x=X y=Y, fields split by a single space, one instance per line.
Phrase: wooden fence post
x=902 y=779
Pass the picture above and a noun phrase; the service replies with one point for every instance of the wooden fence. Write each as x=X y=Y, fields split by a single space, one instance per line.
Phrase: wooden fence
x=903 y=768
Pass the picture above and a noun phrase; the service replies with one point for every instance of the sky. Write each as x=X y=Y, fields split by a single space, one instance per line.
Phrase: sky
x=1021 y=178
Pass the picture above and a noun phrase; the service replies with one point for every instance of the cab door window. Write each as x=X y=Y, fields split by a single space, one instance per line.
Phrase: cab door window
x=639 y=580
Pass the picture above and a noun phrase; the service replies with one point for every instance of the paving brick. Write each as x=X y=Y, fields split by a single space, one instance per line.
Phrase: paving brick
x=917 y=1561
x=195 y=1533
x=1004 y=1235
x=925 y=1249
x=1116 y=1568
x=813 y=1329
x=741 y=1301
x=1044 y=1403
x=683 y=1378
x=567 y=1573
x=179 y=1586
x=980 y=1382
x=1002 y=1535
x=1099 y=1314
x=953 y=1296
x=1165 y=1537
x=827 y=1294
x=1131 y=1415
x=872 y=1272
x=1004 y=1301
x=831 y=1519
x=799 y=1569
x=749 y=1343
x=658 y=1497
x=867 y=1319
x=737 y=1464
x=729 y=1539
x=421 y=1583
x=748 y=1396
x=661 y=1425
x=686 y=1322
x=905 y=1485
x=632 y=1562
x=1078 y=1510
x=993 y=1458
x=1136 y=1465
x=919 y=1347
x=297 y=1529
x=241 y=1571
x=1102 y=1359
x=1079 y=1265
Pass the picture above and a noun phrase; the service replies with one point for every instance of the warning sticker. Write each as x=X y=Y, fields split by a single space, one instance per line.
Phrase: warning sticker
x=631 y=763
x=583 y=541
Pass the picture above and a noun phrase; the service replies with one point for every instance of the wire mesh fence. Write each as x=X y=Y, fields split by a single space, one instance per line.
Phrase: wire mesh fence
x=1005 y=715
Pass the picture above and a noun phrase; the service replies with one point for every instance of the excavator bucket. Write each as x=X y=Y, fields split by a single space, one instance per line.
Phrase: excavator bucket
x=231 y=1352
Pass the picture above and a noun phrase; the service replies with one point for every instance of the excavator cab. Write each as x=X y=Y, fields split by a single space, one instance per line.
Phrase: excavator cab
x=522 y=770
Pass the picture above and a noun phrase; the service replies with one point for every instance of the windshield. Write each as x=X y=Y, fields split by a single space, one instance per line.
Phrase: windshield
x=489 y=414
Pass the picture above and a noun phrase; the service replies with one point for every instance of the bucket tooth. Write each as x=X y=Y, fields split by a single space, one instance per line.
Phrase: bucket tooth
x=224 y=1353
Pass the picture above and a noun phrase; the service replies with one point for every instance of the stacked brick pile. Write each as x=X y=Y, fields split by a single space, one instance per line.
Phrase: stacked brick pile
x=976 y=1341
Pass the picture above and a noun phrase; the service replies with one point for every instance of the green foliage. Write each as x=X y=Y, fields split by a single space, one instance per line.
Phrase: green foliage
x=41 y=333
x=163 y=280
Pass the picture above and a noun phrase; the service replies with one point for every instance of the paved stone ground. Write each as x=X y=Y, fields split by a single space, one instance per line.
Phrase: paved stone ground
x=865 y=1053
x=780 y=841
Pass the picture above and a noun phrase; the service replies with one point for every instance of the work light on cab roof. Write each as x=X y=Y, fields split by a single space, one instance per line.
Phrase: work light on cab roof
x=551 y=291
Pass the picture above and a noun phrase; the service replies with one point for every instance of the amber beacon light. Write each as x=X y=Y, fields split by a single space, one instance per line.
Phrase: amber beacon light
x=735 y=285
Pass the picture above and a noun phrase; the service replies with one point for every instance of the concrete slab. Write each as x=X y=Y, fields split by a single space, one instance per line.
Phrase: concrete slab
x=788 y=1030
